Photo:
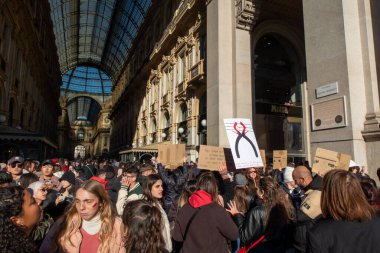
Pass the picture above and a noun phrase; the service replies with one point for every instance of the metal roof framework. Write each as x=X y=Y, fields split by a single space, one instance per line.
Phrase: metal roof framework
x=88 y=80
x=96 y=33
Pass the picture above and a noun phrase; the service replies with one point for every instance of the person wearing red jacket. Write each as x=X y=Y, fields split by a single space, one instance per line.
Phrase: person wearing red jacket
x=202 y=224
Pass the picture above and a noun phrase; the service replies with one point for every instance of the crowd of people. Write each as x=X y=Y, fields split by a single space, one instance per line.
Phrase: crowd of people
x=109 y=207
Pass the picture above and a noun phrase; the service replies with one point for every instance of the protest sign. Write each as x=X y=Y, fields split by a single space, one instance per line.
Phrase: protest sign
x=263 y=158
x=280 y=159
x=244 y=148
x=215 y=158
x=326 y=160
x=172 y=155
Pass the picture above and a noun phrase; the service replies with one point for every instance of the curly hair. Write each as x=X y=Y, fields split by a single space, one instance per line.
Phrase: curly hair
x=143 y=228
x=12 y=237
x=5 y=179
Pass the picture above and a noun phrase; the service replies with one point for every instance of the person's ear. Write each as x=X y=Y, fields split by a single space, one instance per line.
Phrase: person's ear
x=17 y=221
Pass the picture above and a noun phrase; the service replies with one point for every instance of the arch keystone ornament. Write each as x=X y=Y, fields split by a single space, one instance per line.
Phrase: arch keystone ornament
x=247 y=13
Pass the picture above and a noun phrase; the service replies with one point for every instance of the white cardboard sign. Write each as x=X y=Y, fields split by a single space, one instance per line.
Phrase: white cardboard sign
x=243 y=144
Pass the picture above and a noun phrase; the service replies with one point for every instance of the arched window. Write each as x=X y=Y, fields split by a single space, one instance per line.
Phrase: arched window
x=166 y=120
x=80 y=135
x=79 y=151
x=182 y=115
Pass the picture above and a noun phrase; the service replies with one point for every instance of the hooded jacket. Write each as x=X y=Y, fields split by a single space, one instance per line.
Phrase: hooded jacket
x=210 y=228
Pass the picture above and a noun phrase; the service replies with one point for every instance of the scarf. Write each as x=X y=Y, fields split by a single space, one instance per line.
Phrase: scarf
x=92 y=226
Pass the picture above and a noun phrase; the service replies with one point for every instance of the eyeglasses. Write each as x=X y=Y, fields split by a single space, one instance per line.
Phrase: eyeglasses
x=44 y=189
x=124 y=175
x=19 y=165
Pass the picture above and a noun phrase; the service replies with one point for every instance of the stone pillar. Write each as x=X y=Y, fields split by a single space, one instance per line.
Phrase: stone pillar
x=220 y=66
x=371 y=131
x=338 y=49
x=229 y=70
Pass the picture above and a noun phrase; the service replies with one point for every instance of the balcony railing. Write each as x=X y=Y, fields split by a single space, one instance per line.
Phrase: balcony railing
x=197 y=70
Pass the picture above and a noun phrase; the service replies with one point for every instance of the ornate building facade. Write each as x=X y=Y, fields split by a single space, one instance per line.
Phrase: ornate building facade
x=305 y=72
x=163 y=82
x=29 y=80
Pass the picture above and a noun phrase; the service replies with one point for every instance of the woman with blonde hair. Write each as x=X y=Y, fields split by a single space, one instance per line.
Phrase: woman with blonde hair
x=350 y=224
x=89 y=225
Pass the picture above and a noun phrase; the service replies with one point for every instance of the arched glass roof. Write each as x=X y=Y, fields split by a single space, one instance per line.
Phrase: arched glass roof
x=86 y=79
x=96 y=32
x=83 y=109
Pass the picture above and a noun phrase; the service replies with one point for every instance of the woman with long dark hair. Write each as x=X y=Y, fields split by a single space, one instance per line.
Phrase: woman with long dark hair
x=143 y=222
x=89 y=225
x=351 y=223
x=19 y=213
x=269 y=224
x=153 y=192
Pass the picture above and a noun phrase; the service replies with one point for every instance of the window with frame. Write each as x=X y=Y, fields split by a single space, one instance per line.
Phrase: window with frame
x=165 y=82
x=181 y=68
x=80 y=135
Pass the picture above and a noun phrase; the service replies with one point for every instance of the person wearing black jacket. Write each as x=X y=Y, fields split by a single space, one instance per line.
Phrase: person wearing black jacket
x=270 y=223
x=351 y=224
x=173 y=183
x=309 y=212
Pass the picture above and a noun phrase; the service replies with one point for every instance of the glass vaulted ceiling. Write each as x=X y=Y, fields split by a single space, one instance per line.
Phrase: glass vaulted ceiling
x=96 y=32
x=88 y=80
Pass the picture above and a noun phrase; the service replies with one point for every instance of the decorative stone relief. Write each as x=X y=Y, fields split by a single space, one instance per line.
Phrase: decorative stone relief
x=247 y=12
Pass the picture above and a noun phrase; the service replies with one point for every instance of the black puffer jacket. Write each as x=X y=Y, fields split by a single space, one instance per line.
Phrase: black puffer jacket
x=252 y=227
x=173 y=183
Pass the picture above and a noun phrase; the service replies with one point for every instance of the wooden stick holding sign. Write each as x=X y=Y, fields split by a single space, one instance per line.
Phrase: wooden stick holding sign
x=244 y=148
x=326 y=160
x=172 y=155
x=280 y=159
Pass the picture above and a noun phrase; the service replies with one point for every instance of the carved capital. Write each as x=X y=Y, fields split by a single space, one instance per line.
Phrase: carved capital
x=247 y=13
x=371 y=130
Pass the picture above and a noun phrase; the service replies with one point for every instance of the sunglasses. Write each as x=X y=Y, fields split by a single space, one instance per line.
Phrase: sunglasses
x=19 y=165
x=44 y=189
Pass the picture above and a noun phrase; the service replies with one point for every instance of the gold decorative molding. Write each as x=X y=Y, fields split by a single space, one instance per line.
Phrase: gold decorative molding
x=247 y=12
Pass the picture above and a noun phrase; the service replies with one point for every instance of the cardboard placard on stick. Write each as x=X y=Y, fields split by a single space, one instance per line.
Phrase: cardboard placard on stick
x=172 y=155
x=326 y=160
x=163 y=153
x=280 y=159
x=262 y=153
x=215 y=158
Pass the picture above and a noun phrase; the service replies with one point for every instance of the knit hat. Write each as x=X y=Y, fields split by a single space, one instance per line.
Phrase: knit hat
x=240 y=180
x=69 y=177
x=33 y=187
x=288 y=177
